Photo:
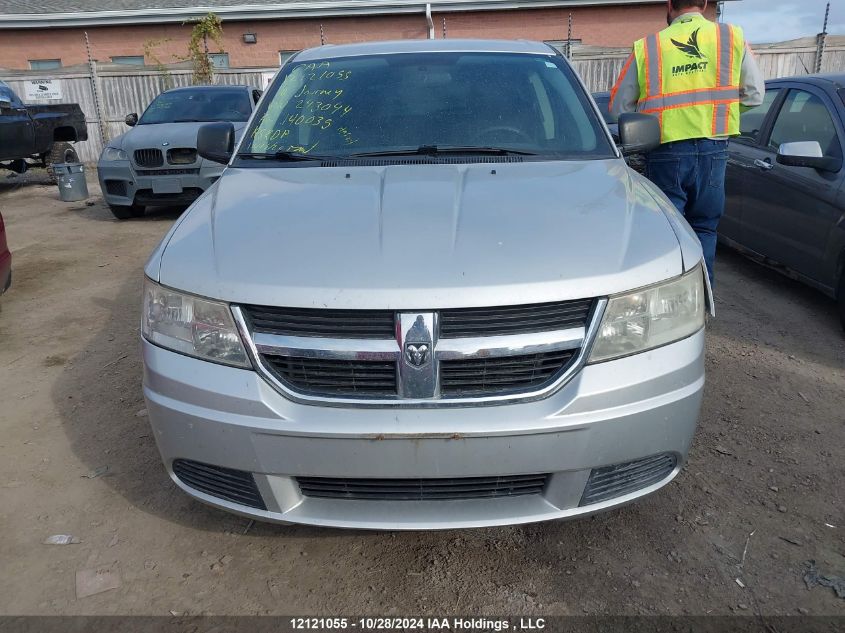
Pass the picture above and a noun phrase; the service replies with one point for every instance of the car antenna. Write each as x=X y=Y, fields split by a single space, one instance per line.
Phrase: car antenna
x=444 y=27
x=322 y=36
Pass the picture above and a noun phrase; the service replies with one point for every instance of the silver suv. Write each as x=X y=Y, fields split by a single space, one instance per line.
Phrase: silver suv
x=427 y=292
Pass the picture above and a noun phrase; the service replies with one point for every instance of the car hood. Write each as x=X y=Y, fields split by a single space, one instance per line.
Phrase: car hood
x=174 y=134
x=414 y=237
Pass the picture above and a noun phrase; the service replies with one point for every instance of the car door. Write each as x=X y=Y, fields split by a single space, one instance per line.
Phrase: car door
x=16 y=130
x=741 y=155
x=789 y=212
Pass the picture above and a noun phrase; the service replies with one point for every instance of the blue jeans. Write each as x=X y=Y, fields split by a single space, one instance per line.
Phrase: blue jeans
x=692 y=175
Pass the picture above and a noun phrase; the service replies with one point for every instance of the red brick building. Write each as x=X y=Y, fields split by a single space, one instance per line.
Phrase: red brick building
x=258 y=33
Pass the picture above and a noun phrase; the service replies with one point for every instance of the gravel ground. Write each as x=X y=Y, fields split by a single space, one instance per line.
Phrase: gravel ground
x=762 y=492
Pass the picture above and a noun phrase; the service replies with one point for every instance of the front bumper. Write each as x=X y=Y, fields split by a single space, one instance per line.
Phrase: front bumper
x=609 y=413
x=123 y=185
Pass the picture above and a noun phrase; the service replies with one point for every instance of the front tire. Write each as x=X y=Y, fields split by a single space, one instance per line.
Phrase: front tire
x=126 y=213
x=60 y=153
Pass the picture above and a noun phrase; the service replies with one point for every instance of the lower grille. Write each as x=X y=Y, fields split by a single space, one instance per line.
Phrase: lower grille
x=116 y=188
x=233 y=485
x=336 y=377
x=502 y=374
x=622 y=479
x=423 y=489
x=148 y=196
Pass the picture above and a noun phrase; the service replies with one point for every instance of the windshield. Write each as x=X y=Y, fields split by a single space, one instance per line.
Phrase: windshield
x=531 y=104
x=199 y=104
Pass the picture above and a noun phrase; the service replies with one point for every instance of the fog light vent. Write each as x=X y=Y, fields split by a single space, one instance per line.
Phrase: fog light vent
x=237 y=486
x=622 y=479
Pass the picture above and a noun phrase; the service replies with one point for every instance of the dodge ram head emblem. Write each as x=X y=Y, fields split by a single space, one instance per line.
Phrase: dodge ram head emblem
x=417 y=354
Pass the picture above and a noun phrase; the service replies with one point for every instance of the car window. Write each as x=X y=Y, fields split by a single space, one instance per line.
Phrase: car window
x=199 y=104
x=382 y=103
x=751 y=122
x=6 y=91
x=805 y=117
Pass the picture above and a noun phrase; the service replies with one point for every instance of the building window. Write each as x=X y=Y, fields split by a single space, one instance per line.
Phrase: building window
x=219 y=60
x=560 y=45
x=133 y=60
x=45 y=64
x=284 y=56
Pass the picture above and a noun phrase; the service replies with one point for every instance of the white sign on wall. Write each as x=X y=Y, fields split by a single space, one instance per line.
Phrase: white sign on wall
x=43 y=89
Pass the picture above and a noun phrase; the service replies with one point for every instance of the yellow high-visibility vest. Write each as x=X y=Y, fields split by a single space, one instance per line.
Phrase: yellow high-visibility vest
x=689 y=78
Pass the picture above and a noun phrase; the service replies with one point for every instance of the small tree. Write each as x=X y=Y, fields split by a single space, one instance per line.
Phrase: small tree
x=208 y=27
x=150 y=51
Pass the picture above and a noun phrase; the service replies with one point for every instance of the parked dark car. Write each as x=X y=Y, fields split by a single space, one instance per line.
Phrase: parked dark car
x=635 y=161
x=5 y=260
x=40 y=134
x=786 y=199
x=602 y=100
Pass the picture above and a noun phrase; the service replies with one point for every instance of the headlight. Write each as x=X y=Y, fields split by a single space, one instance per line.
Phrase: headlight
x=190 y=325
x=113 y=153
x=651 y=317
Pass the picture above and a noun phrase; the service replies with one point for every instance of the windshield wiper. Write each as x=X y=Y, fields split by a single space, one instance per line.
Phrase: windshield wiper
x=187 y=121
x=291 y=156
x=438 y=150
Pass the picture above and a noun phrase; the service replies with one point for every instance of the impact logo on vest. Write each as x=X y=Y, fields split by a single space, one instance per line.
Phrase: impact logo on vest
x=690 y=49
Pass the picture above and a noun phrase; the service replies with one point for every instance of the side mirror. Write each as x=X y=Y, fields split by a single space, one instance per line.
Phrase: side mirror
x=216 y=141
x=131 y=120
x=638 y=133
x=807 y=154
x=5 y=102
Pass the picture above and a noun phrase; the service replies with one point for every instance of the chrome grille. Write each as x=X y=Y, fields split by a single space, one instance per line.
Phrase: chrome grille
x=422 y=489
x=336 y=377
x=541 y=317
x=376 y=324
x=378 y=357
x=149 y=157
x=621 y=479
x=488 y=375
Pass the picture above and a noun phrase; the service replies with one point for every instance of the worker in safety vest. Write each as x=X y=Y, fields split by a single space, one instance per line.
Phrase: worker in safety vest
x=695 y=76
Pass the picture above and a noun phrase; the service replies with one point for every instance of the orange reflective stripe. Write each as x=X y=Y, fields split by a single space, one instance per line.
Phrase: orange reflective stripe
x=622 y=75
x=727 y=102
x=699 y=96
x=702 y=96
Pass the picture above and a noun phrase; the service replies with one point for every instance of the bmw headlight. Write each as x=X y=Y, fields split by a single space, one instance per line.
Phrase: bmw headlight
x=651 y=317
x=113 y=153
x=190 y=325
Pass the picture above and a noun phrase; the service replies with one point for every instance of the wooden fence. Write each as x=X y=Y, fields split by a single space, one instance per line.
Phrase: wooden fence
x=107 y=93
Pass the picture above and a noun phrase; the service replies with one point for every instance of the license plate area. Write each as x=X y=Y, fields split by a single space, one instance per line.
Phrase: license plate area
x=167 y=185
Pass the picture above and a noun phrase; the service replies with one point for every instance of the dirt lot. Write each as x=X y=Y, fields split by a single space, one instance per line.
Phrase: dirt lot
x=764 y=483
